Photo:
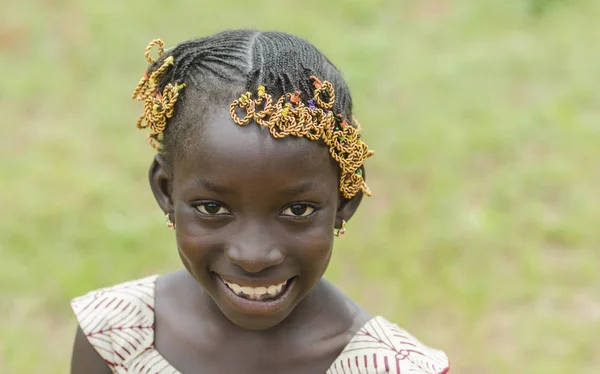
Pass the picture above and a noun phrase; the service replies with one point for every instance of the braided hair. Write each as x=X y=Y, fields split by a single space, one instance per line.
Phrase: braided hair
x=236 y=61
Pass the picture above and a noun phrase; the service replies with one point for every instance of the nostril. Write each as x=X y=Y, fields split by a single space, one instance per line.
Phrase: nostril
x=276 y=256
x=254 y=260
x=232 y=254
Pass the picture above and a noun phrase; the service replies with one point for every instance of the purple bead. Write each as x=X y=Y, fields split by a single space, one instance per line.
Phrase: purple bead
x=311 y=104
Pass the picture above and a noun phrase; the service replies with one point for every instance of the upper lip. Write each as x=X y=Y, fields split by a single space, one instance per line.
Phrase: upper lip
x=253 y=282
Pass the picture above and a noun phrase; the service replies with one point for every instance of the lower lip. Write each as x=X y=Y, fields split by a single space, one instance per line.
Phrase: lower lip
x=256 y=307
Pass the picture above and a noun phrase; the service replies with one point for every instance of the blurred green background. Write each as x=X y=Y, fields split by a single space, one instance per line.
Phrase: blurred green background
x=481 y=238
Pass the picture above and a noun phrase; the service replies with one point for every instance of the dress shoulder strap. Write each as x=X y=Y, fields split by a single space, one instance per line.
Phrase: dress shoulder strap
x=119 y=320
x=382 y=347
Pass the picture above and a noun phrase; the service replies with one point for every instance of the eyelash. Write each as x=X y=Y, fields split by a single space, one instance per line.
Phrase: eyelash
x=307 y=205
x=205 y=213
x=228 y=212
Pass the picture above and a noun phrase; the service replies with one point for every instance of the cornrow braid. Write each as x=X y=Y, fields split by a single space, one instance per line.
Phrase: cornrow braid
x=234 y=63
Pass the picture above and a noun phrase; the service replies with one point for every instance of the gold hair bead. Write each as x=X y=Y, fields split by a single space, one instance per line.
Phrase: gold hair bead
x=148 y=49
x=261 y=91
x=158 y=106
x=290 y=116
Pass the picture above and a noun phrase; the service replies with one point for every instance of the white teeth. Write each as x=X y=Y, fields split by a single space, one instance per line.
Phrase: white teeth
x=276 y=289
x=236 y=288
x=256 y=293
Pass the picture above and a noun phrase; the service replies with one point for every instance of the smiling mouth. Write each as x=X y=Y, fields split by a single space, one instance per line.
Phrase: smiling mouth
x=264 y=293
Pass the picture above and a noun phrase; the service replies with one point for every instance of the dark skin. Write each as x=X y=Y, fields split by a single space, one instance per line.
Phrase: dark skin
x=257 y=211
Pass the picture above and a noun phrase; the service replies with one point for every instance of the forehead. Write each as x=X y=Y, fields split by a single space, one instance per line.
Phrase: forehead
x=225 y=153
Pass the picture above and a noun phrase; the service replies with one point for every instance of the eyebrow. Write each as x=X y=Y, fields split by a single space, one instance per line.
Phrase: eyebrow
x=303 y=187
x=212 y=186
x=294 y=190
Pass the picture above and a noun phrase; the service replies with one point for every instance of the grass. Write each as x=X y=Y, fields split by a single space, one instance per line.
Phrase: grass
x=480 y=238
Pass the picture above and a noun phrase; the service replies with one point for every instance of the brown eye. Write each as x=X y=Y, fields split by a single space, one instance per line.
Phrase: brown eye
x=298 y=210
x=212 y=209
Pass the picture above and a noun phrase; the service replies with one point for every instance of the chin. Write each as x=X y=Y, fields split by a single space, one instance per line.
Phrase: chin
x=256 y=323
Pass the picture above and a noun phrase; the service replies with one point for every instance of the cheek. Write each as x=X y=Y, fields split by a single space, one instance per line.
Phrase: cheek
x=187 y=247
x=193 y=242
x=193 y=239
x=314 y=248
x=196 y=244
x=197 y=250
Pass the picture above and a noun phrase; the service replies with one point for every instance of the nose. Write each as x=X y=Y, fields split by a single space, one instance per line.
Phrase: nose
x=254 y=253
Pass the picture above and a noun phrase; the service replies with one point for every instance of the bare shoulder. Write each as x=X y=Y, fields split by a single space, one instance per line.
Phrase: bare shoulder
x=125 y=306
x=85 y=359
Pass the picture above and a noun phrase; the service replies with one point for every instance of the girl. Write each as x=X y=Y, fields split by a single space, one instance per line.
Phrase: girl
x=259 y=164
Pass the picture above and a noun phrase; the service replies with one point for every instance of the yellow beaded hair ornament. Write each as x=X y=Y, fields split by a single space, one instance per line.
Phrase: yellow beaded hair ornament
x=158 y=106
x=315 y=121
x=289 y=115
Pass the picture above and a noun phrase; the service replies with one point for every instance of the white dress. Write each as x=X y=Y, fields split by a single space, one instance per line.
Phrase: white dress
x=119 y=323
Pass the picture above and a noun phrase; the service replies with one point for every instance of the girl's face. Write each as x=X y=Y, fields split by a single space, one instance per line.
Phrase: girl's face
x=254 y=217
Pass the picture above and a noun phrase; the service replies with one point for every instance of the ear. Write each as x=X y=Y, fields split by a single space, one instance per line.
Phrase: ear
x=348 y=207
x=161 y=184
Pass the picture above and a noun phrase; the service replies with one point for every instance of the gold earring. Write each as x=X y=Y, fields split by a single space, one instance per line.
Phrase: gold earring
x=170 y=223
x=341 y=231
